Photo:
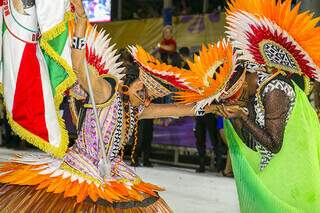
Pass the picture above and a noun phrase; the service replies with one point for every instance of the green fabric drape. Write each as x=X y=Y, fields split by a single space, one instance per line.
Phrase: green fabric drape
x=291 y=181
x=56 y=71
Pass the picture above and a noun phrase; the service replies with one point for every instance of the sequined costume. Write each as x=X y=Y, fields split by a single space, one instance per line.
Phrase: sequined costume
x=270 y=117
x=275 y=149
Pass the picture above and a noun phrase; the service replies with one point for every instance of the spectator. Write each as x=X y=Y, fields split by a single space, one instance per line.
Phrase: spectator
x=204 y=123
x=168 y=45
x=70 y=121
x=174 y=59
x=227 y=172
x=185 y=56
x=145 y=137
x=11 y=140
x=316 y=91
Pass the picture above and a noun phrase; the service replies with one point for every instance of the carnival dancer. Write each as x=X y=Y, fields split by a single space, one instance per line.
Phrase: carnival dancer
x=274 y=140
x=92 y=176
x=274 y=137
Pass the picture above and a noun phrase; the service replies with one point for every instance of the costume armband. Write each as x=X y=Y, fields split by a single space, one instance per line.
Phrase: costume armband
x=199 y=112
x=78 y=43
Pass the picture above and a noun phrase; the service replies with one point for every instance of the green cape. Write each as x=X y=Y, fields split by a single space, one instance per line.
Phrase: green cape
x=291 y=181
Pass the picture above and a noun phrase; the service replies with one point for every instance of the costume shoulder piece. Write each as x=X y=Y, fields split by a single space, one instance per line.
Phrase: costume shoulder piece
x=209 y=73
x=156 y=75
x=271 y=33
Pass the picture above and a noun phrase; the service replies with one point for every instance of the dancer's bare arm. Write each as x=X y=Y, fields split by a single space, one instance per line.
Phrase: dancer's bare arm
x=171 y=110
x=101 y=88
x=276 y=104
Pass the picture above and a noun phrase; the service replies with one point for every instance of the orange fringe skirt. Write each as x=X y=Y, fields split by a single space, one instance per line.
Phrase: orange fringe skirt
x=16 y=198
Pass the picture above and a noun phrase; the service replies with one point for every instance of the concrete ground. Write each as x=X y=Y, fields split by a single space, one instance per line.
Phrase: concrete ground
x=186 y=191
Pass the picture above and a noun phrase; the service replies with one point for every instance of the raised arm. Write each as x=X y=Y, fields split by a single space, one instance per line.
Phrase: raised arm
x=172 y=110
x=101 y=89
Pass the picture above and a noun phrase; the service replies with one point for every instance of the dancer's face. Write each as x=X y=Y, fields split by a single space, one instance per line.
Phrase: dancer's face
x=251 y=81
x=138 y=93
x=249 y=87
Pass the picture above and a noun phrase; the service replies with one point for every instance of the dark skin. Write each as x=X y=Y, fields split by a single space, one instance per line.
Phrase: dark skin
x=234 y=110
x=271 y=136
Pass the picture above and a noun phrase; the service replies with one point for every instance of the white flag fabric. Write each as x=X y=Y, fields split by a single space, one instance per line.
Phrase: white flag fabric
x=36 y=70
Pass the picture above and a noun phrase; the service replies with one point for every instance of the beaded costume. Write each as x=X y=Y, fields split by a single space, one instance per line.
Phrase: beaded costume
x=275 y=150
x=43 y=183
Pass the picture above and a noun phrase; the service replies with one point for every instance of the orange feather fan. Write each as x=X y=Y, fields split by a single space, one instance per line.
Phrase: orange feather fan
x=209 y=73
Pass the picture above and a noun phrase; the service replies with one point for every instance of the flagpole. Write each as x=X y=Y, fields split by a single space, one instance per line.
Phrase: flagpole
x=104 y=166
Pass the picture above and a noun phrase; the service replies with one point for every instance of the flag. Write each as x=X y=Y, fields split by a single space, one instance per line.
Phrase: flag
x=36 y=70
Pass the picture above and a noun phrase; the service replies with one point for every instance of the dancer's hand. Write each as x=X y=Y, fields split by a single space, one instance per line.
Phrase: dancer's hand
x=232 y=111
x=78 y=7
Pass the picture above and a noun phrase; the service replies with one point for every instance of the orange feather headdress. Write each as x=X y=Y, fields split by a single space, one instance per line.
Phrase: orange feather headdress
x=156 y=76
x=271 y=33
x=210 y=73
x=206 y=81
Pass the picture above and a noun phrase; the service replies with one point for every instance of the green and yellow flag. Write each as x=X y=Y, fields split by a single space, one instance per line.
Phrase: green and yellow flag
x=36 y=64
